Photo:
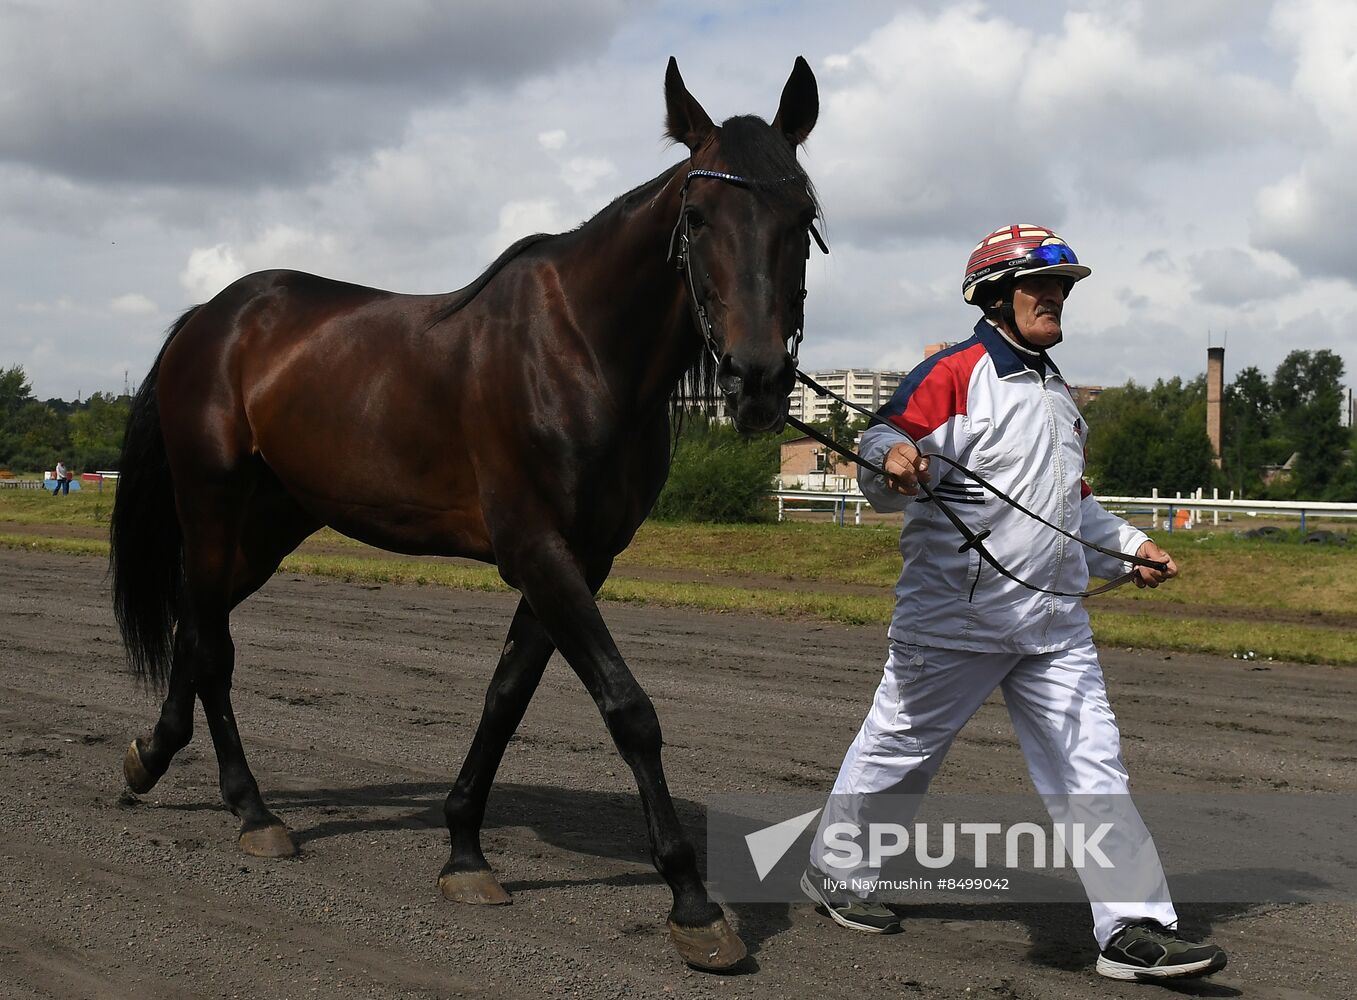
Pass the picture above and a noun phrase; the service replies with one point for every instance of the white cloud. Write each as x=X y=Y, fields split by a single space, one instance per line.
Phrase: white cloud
x=47 y=308
x=523 y=218
x=209 y=270
x=584 y=173
x=1196 y=155
x=1231 y=276
x=133 y=304
x=554 y=139
x=240 y=93
x=952 y=124
x=1309 y=215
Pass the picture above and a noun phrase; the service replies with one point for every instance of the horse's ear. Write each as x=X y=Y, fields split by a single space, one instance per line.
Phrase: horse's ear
x=684 y=121
x=800 y=104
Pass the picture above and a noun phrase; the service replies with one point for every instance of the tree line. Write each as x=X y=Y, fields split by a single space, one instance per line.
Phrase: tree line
x=1143 y=437
x=35 y=434
x=1140 y=438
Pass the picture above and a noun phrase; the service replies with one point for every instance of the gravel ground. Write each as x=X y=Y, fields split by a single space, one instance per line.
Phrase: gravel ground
x=357 y=704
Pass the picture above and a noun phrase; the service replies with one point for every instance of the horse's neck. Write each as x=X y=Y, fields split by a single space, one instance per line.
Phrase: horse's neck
x=646 y=337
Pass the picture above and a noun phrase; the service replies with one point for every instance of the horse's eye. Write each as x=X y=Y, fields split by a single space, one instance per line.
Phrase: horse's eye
x=696 y=220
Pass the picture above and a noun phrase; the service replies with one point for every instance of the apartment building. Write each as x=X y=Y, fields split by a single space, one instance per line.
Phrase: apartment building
x=867 y=387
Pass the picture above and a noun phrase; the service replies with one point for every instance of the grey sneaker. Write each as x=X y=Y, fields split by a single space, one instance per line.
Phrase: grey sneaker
x=1149 y=951
x=846 y=909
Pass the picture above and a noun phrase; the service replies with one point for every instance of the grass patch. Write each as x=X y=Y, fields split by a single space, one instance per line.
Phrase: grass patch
x=395 y=570
x=846 y=609
x=792 y=551
x=1220 y=573
x=86 y=506
x=67 y=546
x=1248 y=640
x=1222 y=569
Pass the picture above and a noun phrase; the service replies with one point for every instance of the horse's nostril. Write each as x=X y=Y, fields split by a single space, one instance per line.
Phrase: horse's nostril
x=728 y=375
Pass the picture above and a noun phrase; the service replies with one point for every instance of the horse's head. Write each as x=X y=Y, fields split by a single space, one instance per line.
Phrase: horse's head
x=743 y=238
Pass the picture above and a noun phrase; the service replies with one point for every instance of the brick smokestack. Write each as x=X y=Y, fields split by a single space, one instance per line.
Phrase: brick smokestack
x=1215 y=391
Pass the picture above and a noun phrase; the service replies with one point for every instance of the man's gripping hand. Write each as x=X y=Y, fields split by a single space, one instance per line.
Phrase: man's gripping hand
x=905 y=469
x=1146 y=577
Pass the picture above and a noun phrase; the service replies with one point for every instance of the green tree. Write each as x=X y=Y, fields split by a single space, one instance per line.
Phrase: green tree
x=719 y=475
x=39 y=436
x=837 y=426
x=1146 y=438
x=1249 y=442
x=32 y=434
x=96 y=430
x=1308 y=392
x=15 y=393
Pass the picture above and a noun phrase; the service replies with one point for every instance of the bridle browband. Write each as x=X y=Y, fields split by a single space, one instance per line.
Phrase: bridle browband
x=680 y=254
x=973 y=540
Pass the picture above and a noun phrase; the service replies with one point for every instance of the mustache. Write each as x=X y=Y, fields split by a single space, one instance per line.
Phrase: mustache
x=1045 y=310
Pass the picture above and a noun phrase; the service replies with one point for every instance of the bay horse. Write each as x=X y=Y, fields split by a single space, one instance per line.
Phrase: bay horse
x=523 y=420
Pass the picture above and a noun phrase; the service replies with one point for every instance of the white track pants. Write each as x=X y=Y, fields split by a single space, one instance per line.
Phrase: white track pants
x=1059 y=707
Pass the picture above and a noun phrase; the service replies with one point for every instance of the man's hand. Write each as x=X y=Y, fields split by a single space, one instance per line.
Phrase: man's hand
x=905 y=469
x=1146 y=577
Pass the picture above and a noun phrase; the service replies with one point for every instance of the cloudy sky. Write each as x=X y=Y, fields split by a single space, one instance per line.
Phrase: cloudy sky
x=1196 y=154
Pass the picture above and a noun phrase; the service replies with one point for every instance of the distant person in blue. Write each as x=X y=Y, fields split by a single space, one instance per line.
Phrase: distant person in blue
x=61 y=482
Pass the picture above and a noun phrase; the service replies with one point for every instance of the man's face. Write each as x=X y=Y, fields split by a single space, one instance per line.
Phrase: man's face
x=1037 y=304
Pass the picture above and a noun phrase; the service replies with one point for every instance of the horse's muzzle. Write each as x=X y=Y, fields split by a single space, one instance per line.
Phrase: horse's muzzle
x=756 y=394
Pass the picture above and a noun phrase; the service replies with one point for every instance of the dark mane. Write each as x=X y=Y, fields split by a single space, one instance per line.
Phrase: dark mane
x=464 y=295
x=750 y=147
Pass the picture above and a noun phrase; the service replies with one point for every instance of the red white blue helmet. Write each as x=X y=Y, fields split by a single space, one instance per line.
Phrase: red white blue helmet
x=1015 y=252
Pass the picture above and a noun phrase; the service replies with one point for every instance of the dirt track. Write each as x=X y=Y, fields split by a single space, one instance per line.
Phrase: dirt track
x=357 y=704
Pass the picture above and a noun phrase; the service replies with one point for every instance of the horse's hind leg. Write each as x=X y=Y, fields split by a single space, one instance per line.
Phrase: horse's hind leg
x=273 y=526
x=237 y=541
x=467 y=877
x=147 y=760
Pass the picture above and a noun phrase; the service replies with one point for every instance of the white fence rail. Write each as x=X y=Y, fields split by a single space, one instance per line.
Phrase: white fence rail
x=1194 y=505
x=1164 y=508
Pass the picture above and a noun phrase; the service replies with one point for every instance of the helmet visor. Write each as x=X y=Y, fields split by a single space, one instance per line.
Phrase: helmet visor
x=1052 y=254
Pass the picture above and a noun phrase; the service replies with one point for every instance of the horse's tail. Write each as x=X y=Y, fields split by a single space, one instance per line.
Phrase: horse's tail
x=145 y=544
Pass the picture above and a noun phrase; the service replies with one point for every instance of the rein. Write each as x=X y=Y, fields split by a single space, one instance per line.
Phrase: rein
x=973 y=540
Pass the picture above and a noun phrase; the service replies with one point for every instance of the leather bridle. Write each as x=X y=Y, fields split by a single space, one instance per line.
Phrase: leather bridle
x=680 y=254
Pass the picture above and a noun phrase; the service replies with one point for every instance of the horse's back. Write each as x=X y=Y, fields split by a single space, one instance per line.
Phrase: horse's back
x=341 y=390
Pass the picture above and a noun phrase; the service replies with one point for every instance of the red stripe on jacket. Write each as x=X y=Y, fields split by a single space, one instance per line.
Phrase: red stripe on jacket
x=940 y=395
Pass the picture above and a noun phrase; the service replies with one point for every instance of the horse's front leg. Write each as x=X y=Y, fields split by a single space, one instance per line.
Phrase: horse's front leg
x=554 y=583
x=467 y=877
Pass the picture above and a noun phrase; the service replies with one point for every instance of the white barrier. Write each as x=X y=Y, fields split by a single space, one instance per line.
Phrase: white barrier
x=1153 y=505
x=840 y=502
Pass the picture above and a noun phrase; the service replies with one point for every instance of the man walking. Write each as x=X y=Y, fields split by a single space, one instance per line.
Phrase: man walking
x=997 y=403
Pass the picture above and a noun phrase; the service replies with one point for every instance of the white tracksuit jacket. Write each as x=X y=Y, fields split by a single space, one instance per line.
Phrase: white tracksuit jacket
x=978 y=402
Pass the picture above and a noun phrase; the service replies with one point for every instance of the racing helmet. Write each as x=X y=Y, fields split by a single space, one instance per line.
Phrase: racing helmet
x=1016 y=252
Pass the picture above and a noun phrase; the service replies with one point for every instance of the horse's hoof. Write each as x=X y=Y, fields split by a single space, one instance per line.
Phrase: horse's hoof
x=268 y=842
x=713 y=948
x=138 y=778
x=478 y=888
